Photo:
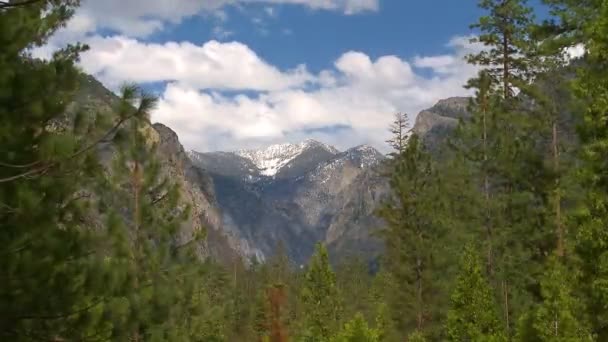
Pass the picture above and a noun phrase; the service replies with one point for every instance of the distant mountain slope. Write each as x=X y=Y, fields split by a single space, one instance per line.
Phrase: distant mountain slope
x=308 y=192
x=284 y=192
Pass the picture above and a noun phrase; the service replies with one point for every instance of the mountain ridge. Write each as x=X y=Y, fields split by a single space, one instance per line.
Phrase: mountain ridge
x=303 y=193
x=284 y=192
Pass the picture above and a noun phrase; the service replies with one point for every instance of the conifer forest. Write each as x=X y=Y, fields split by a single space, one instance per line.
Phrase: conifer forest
x=497 y=231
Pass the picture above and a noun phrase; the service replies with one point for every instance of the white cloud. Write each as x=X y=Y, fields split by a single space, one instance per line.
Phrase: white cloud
x=214 y=65
x=223 y=96
x=438 y=63
x=359 y=93
x=140 y=18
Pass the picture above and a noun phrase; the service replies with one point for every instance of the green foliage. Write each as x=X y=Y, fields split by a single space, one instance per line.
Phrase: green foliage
x=353 y=279
x=52 y=274
x=586 y=22
x=559 y=316
x=505 y=32
x=400 y=132
x=320 y=299
x=473 y=314
x=357 y=330
x=411 y=234
x=416 y=336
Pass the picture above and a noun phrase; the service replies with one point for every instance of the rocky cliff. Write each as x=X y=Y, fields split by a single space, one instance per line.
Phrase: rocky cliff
x=196 y=187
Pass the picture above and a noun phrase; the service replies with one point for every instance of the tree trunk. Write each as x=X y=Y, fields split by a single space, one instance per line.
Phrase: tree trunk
x=505 y=290
x=505 y=66
x=558 y=210
x=486 y=187
x=136 y=184
x=420 y=313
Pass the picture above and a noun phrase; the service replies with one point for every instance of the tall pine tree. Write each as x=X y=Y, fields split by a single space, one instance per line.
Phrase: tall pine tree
x=412 y=230
x=320 y=299
x=473 y=315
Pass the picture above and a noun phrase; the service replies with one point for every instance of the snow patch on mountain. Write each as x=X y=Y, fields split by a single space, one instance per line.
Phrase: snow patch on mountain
x=364 y=155
x=272 y=159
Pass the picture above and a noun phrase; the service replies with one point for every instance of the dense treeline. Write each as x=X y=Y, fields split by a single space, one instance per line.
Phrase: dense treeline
x=499 y=234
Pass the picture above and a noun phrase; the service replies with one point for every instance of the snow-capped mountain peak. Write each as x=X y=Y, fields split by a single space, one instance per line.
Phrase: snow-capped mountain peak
x=364 y=155
x=271 y=159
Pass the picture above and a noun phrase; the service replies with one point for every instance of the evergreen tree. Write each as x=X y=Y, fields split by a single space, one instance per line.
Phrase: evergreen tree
x=54 y=267
x=400 y=131
x=357 y=330
x=353 y=280
x=515 y=179
x=586 y=22
x=320 y=299
x=505 y=31
x=382 y=288
x=416 y=336
x=412 y=230
x=473 y=313
x=277 y=299
x=475 y=140
x=559 y=317
x=144 y=217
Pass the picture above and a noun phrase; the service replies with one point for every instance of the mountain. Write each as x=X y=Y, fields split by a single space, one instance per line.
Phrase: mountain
x=299 y=194
x=285 y=193
x=249 y=201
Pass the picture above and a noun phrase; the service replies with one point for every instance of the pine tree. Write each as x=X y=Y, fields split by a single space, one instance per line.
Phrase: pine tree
x=277 y=299
x=53 y=267
x=400 y=132
x=412 y=229
x=357 y=330
x=585 y=22
x=320 y=299
x=505 y=33
x=416 y=336
x=559 y=317
x=144 y=217
x=473 y=313
x=353 y=279
x=475 y=141
x=381 y=289
x=514 y=169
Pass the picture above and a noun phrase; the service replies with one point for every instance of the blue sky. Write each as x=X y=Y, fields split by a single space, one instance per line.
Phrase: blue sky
x=247 y=73
x=294 y=35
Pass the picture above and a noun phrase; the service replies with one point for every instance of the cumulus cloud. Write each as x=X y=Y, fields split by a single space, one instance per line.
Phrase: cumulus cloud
x=213 y=65
x=349 y=104
x=223 y=96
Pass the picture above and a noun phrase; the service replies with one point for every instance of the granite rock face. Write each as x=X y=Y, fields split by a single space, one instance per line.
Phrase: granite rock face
x=196 y=187
x=435 y=124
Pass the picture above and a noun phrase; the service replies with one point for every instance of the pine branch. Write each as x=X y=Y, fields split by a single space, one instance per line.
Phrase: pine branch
x=60 y=316
x=47 y=167
x=20 y=166
x=25 y=174
x=160 y=199
x=8 y=4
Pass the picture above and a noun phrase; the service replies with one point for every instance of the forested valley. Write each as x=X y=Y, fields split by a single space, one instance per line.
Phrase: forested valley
x=497 y=232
